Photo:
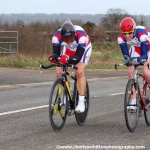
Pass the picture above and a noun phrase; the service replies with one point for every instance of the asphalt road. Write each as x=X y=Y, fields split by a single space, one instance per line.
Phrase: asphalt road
x=24 y=120
x=11 y=76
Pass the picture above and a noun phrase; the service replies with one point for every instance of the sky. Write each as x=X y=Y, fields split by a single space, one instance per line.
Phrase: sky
x=133 y=7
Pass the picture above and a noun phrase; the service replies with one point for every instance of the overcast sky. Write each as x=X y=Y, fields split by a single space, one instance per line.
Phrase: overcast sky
x=133 y=7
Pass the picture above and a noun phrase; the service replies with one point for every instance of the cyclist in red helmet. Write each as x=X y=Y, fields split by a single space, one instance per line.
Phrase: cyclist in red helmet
x=77 y=50
x=138 y=37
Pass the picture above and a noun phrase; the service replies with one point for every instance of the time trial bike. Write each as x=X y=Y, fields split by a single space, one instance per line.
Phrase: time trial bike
x=63 y=100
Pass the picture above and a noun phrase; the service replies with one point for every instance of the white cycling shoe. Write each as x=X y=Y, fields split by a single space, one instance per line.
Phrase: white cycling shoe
x=81 y=106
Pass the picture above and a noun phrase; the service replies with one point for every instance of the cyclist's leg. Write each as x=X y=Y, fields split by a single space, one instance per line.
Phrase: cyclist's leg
x=133 y=53
x=130 y=72
x=81 y=80
x=133 y=97
x=81 y=84
x=58 y=71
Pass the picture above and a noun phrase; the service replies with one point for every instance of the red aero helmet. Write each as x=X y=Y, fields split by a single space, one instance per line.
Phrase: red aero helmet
x=127 y=24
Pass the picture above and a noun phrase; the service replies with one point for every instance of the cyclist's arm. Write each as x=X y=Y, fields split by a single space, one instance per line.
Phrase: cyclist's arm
x=56 y=50
x=79 y=53
x=124 y=49
x=144 y=50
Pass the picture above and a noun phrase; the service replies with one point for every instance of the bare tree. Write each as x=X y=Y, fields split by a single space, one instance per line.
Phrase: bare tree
x=113 y=18
x=89 y=27
x=141 y=21
x=99 y=34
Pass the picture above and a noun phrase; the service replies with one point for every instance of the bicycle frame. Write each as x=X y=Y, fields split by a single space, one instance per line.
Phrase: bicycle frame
x=64 y=78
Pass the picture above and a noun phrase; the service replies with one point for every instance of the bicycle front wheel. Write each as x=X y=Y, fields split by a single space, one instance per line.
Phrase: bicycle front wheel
x=147 y=109
x=131 y=115
x=81 y=117
x=58 y=105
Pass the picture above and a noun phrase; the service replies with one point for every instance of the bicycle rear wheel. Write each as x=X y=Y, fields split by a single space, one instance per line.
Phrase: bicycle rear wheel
x=147 y=109
x=131 y=116
x=81 y=117
x=58 y=105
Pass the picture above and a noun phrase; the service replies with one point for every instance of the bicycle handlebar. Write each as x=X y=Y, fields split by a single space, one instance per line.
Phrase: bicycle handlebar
x=59 y=65
x=118 y=65
x=135 y=65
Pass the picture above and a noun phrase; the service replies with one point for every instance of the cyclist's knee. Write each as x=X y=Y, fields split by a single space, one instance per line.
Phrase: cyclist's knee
x=81 y=68
x=145 y=69
x=130 y=72
x=146 y=74
x=79 y=73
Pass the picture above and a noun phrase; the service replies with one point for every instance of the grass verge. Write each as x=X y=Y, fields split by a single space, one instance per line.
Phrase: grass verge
x=104 y=56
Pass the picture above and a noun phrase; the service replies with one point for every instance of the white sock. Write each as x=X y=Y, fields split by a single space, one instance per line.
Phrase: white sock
x=80 y=107
x=81 y=98
x=133 y=101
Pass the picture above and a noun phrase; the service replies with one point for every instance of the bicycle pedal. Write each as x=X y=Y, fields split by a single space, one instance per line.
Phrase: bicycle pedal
x=71 y=104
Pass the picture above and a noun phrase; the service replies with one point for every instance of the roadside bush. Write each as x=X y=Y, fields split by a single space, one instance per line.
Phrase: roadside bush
x=35 y=46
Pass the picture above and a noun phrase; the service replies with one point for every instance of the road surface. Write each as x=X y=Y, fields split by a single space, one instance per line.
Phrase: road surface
x=24 y=120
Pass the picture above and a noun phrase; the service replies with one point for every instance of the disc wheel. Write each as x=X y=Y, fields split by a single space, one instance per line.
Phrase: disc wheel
x=81 y=117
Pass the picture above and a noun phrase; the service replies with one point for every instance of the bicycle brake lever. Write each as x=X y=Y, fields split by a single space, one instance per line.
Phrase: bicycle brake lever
x=75 y=67
x=41 y=67
x=116 y=66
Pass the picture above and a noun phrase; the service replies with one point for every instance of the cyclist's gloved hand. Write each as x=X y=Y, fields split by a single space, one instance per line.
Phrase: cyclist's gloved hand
x=53 y=58
x=126 y=60
x=129 y=61
x=63 y=59
x=133 y=60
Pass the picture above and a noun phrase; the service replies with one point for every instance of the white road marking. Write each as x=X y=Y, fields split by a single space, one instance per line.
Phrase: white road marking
x=116 y=94
x=106 y=78
x=25 y=85
x=22 y=110
x=119 y=93
x=50 y=83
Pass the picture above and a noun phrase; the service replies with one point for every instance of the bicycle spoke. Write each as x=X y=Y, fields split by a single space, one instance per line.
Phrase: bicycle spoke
x=62 y=112
x=55 y=108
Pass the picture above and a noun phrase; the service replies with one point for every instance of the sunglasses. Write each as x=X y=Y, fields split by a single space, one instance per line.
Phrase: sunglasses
x=125 y=33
